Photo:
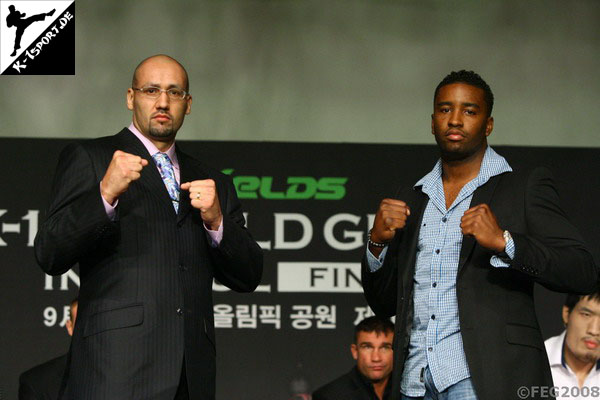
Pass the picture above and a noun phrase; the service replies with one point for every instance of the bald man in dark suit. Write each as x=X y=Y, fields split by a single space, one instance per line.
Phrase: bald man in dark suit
x=150 y=227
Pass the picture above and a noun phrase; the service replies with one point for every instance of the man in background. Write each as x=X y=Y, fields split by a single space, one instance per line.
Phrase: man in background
x=42 y=382
x=372 y=350
x=574 y=354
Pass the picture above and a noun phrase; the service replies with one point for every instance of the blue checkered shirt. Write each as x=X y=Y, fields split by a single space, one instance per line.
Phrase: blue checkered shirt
x=435 y=339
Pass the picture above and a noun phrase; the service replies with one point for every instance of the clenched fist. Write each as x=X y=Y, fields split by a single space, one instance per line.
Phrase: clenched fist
x=481 y=223
x=123 y=169
x=391 y=215
x=204 y=197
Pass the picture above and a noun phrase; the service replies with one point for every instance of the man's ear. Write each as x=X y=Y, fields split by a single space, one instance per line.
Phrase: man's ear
x=129 y=99
x=565 y=315
x=354 y=351
x=70 y=327
x=489 y=126
x=189 y=105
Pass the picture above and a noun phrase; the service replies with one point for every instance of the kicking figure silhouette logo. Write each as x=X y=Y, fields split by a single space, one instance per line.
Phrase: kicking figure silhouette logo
x=18 y=20
x=37 y=37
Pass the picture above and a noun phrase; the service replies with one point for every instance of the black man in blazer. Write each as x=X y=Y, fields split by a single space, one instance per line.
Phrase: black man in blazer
x=461 y=282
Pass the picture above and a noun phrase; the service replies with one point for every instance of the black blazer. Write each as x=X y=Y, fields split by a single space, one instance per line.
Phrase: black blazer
x=501 y=336
x=350 y=386
x=145 y=298
x=43 y=381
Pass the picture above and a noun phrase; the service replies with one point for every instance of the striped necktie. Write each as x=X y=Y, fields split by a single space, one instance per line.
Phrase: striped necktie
x=165 y=166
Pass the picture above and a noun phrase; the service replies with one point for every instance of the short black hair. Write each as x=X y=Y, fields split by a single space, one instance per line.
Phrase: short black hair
x=373 y=324
x=572 y=299
x=470 y=78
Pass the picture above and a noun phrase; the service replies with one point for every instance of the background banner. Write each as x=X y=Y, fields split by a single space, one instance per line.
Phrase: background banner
x=309 y=206
x=332 y=71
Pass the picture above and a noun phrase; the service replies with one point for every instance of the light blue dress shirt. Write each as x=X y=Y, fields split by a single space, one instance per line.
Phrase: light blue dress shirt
x=435 y=338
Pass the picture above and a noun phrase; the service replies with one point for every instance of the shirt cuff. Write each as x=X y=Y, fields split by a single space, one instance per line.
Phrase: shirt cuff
x=503 y=260
x=215 y=236
x=111 y=211
x=374 y=262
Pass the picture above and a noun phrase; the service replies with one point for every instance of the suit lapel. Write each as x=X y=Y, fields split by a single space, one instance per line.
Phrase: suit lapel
x=188 y=172
x=150 y=177
x=482 y=195
x=411 y=241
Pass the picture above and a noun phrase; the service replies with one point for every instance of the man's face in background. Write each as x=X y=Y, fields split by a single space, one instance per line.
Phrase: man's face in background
x=374 y=355
x=583 y=331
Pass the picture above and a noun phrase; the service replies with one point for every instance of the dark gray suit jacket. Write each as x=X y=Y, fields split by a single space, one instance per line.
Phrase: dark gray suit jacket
x=350 y=386
x=145 y=298
x=501 y=336
x=43 y=381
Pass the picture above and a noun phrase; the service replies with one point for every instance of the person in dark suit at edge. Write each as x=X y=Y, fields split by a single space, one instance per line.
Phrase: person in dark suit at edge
x=455 y=257
x=372 y=350
x=150 y=227
x=43 y=381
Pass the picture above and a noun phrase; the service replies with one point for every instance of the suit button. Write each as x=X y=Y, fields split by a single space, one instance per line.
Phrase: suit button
x=444 y=219
x=434 y=284
x=179 y=311
x=437 y=251
x=433 y=316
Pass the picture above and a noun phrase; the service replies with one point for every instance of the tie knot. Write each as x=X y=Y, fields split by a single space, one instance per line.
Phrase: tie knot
x=167 y=173
x=161 y=159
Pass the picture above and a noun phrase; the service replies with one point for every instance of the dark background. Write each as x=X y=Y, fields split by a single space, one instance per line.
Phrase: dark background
x=360 y=71
x=261 y=363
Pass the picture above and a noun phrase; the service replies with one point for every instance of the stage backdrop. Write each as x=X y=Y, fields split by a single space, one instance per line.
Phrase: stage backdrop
x=309 y=206
x=360 y=71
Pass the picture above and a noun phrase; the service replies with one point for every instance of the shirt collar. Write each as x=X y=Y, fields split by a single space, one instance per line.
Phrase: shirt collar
x=556 y=354
x=152 y=149
x=492 y=164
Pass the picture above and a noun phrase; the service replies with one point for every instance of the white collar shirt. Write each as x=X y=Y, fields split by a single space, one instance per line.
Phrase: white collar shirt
x=565 y=381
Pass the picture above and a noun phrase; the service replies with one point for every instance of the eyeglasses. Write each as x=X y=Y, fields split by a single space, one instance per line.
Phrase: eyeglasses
x=154 y=92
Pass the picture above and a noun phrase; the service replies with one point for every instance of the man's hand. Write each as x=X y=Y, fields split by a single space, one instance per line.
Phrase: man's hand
x=391 y=215
x=123 y=169
x=481 y=223
x=204 y=197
